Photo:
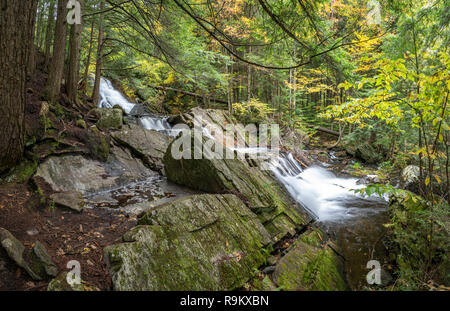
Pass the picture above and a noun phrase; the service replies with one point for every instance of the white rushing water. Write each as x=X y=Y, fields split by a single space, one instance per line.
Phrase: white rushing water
x=109 y=97
x=325 y=196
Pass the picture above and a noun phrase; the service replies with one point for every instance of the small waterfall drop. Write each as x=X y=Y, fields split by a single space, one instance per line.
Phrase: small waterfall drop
x=109 y=97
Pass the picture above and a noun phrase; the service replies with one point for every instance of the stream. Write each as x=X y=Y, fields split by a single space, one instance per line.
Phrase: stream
x=353 y=220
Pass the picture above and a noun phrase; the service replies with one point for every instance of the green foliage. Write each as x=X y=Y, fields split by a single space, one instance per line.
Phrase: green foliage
x=418 y=237
x=253 y=111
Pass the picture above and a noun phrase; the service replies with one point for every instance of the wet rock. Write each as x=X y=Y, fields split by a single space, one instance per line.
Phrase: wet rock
x=309 y=266
x=149 y=145
x=60 y=284
x=15 y=249
x=42 y=263
x=256 y=187
x=410 y=178
x=69 y=199
x=142 y=109
x=201 y=242
x=269 y=269
x=109 y=119
x=365 y=150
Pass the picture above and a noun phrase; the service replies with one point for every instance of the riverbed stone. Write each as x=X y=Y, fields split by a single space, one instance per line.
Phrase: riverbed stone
x=149 y=145
x=213 y=119
x=69 y=199
x=308 y=265
x=201 y=242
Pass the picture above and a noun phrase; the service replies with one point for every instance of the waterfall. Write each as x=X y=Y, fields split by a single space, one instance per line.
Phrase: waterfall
x=320 y=192
x=109 y=97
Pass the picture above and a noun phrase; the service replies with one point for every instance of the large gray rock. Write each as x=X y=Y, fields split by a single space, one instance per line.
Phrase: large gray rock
x=202 y=242
x=77 y=173
x=258 y=188
x=149 y=145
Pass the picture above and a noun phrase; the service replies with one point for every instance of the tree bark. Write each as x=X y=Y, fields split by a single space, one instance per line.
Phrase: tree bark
x=98 y=67
x=53 y=87
x=49 y=32
x=17 y=20
x=74 y=60
x=88 y=59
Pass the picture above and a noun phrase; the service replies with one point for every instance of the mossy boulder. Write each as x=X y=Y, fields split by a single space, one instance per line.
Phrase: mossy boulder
x=308 y=265
x=41 y=262
x=70 y=199
x=109 y=119
x=60 y=284
x=258 y=188
x=202 y=242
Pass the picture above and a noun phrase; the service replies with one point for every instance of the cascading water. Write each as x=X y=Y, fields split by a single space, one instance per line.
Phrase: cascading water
x=320 y=192
x=110 y=97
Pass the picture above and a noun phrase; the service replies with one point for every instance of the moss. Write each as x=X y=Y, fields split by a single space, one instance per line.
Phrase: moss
x=203 y=242
x=81 y=124
x=21 y=172
x=309 y=266
x=109 y=118
x=98 y=144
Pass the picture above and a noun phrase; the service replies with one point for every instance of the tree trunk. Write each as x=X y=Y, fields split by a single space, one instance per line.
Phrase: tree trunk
x=249 y=77
x=17 y=20
x=98 y=67
x=74 y=60
x=88 y=59
x=49 y=32
x=53 y=87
